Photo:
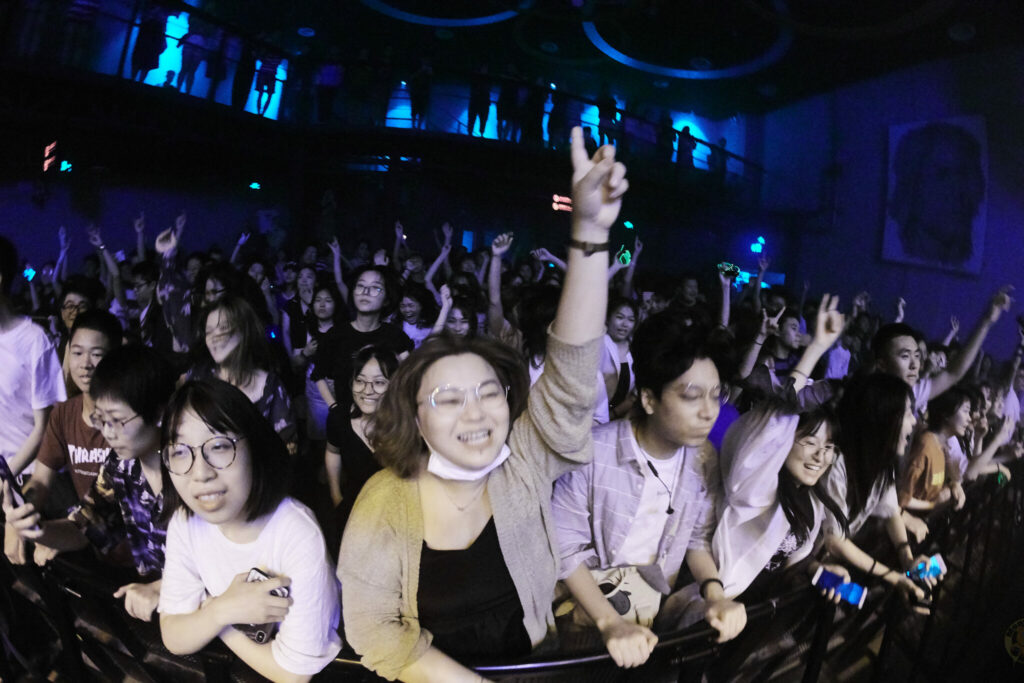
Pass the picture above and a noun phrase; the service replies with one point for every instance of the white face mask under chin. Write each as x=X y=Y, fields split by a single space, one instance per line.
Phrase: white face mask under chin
x=442 y=467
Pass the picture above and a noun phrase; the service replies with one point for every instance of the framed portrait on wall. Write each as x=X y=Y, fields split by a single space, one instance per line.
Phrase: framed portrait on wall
x=937 y=198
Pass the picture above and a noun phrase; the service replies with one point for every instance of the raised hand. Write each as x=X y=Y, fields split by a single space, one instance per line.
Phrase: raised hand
x=829 y=323
x=598 y=184
x=399 y=232
x=860 y=302
x=446 y=298
x=763 y=262
x=179 y=223
x=501 y=244
x=243 y=238
x=638 y=246
x=95 y=239
x=166 y=242
x=65 y=241
x=769 y=324
x=542 y=254
x=334 y=246
x=446 y=229
x=380 y=258
x=901 y=305
x=1000 y=302
x=140 y=223
x=954 y=326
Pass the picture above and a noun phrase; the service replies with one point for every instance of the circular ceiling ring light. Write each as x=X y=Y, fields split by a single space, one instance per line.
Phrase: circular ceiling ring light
x=778 y=49
x=409 y=17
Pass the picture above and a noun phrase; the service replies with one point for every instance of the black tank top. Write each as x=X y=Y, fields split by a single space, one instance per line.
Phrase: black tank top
x=468 y=602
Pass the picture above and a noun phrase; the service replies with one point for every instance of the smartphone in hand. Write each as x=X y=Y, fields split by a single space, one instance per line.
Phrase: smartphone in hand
x=853 y=593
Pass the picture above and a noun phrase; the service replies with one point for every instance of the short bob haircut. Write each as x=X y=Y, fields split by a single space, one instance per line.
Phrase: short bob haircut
x=945 y=406
x=386 y=359
x=392 y=288
x=399 y=446
x=138 y=376
x=100 y=321
x=665 y=347
x=225 y=409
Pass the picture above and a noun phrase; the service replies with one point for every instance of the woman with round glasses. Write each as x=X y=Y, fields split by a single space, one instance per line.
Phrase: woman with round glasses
x=236 y=351
x=244 y=562
x=373 y=296
x=349 y=460
x=448 y=553
x=774 y=466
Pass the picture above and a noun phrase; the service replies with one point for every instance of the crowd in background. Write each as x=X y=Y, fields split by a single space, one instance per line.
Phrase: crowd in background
x=462 y=453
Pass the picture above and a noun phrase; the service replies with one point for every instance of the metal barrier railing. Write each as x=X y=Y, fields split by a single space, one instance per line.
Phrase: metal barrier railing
x=980 y=542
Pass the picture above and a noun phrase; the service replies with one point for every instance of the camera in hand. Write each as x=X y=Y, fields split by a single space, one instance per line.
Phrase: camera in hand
x=261 y=633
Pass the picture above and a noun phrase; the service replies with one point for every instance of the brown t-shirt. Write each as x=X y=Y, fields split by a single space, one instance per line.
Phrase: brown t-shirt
x=70 y=443
x=926 y=472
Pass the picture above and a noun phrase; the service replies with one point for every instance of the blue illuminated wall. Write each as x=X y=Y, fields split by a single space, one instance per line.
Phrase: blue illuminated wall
x=840 y=141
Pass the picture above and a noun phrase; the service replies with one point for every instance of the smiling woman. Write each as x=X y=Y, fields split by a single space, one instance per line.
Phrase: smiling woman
x=448 y=554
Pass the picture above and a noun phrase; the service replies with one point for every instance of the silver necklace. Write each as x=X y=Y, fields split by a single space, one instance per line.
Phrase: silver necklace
x=463 y=508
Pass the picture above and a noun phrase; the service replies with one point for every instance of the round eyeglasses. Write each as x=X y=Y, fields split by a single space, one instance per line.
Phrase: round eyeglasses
x=379 y=385
x=451 y=400
x=826 y=449
x=218 y=452
x=113 y=424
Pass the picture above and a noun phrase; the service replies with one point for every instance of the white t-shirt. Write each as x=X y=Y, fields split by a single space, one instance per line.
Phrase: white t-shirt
x=956 y=456
x=201 y=562
x=30 y=379
x=640 y=547
x=922 y=393
x=1011 y=407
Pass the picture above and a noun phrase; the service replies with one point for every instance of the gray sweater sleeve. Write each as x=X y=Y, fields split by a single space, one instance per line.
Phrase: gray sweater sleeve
x=554 y=430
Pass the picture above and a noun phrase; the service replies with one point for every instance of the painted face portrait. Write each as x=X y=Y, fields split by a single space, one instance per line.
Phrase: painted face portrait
x=939 y=187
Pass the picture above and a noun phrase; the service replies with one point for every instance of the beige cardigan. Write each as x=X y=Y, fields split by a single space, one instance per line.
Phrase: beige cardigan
x=379 y=565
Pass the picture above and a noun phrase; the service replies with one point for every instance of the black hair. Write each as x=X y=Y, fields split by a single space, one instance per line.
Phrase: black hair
x=8 y=265
x=537 y=311
x=886 y=333
x=467 y=307
x=665 y=347
x=86 y=287
x=392 y=288
x=339 y=304
x=225 y=409
x=101 y=321
x=420 y=294
x=871 y=416
x=945 y=405
x=386 y=359
x=138 y=376
x=146 y=270
x=617 y=301
x=795 y=499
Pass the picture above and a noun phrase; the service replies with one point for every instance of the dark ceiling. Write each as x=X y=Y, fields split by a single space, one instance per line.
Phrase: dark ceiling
x=713 y=57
